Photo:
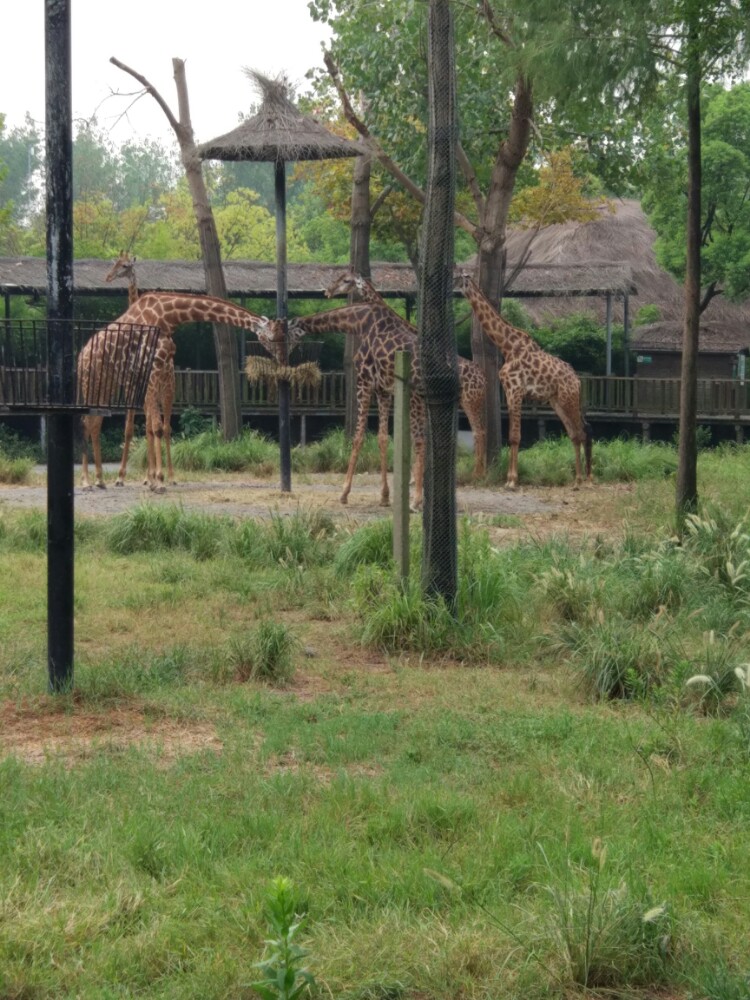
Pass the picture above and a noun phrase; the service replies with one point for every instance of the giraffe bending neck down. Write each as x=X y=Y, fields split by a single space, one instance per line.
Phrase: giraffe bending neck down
x=167 y=311
x=471 y=377
x=124 y=267
x=529 y=372
x=381 y=334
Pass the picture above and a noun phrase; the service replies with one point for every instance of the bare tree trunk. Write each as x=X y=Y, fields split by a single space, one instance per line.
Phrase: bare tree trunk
x=359 y=259
x=687 y=467
x=491 y=240
x=225 y=338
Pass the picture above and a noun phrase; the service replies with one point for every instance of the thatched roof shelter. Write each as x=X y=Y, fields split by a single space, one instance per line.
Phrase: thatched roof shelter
x=713 y=338
x=624 y=236
x=277 y=132
x=255 y=279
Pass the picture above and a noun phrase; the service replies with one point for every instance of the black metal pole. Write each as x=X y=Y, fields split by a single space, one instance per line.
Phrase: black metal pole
x=285 y=430
x=60 y=514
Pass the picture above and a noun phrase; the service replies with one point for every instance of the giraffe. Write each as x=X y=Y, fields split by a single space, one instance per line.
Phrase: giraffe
x=124 y=266
x=528 y=371
x=471 y=378
x=166 y=311
x=382 y=333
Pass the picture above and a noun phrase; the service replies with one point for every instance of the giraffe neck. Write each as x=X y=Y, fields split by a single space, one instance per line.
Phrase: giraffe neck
x=133 y=295
x=348 y=319
x=507 y=337
x=168 y=310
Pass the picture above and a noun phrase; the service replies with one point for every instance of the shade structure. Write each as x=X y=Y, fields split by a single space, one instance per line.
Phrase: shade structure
x=279 y=133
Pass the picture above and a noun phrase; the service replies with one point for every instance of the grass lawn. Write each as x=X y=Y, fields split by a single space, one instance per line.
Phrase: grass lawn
x=526 y=799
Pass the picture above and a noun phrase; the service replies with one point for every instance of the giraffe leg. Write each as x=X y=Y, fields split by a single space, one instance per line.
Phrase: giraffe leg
x=475 y=413
x=154 y=433
x=86 y=430
x=167 y=401
x=384 y=411
x=364 y=395
x=576 y=434
x=129 y=425
x=92 y=429
x=514 y=401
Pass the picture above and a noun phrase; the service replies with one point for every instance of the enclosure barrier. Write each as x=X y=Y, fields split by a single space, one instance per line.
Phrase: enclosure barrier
x=112 y=365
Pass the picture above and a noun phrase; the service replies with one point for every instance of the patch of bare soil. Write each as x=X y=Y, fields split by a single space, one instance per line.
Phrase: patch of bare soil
x=34 y=733
x=242 y=496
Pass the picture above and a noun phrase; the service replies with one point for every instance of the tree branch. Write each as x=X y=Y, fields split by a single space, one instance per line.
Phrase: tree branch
x=380 y=200
x=151 y=89
x=471 y=179
x=377 y=150
x=494 y=26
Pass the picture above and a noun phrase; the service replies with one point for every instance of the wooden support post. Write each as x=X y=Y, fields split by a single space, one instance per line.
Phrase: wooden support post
x=739 y=433
x=542 y=425
x=303 y=429
x=646 y=432
x=401 y=463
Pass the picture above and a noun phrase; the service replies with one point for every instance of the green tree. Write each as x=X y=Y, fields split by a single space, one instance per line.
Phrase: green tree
x=519 y=65
x=20 y=153
x=725 y=209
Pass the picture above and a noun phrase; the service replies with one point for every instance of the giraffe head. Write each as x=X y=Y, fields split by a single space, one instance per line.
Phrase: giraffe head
x=122 y=267
x=270 y=333
x=462 y=280
x=345 y=283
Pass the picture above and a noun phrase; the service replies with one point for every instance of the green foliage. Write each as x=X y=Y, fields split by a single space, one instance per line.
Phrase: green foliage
x=284 y=976
x=14 y=470
x=332 y=452
x=371 y=545
x=250 y=452
x=581 y=340
x=725 y=251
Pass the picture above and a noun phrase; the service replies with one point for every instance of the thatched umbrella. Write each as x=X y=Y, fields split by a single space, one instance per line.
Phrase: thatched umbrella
x=279 y=133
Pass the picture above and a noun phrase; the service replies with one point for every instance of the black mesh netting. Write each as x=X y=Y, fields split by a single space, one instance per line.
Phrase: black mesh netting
x=437 y=344
x=111 y=364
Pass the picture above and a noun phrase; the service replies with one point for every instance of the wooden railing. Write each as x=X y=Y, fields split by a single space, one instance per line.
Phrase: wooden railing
x=603 y=396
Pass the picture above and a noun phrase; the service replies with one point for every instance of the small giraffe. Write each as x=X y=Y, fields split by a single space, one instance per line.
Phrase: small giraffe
x=470 y=375
x=382 y=333
x=528 y=371
x=124 y=266
x=166 y=311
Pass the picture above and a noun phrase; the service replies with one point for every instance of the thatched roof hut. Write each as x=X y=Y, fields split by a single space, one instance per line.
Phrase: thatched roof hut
x=624 y=236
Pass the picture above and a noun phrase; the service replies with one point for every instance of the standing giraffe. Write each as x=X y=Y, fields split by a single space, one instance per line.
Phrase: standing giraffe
x=470 y=375
x=166 y=311
x=164 y=380
x=528 y=371
x=382 y=333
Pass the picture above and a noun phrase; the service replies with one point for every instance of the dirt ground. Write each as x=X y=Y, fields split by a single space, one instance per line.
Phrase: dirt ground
x=39 y=729
x=243 y=496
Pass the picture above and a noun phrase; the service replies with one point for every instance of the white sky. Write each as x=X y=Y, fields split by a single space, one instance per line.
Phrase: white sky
x=216 y=38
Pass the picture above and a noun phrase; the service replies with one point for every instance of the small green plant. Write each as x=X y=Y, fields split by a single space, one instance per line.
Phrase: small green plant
x=283 y=975
x=607 y=937
x=268 y=653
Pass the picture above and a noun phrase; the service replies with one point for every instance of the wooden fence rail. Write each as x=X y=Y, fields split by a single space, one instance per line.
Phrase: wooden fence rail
x=603 y=396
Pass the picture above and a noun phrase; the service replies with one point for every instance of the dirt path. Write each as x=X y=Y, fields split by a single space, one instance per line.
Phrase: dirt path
x=242 y=496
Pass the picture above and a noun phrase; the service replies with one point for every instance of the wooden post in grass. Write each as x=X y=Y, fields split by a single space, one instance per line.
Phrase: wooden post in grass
x=401 y=463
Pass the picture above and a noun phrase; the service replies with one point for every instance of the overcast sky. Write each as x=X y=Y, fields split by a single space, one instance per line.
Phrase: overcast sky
x=216 y=38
